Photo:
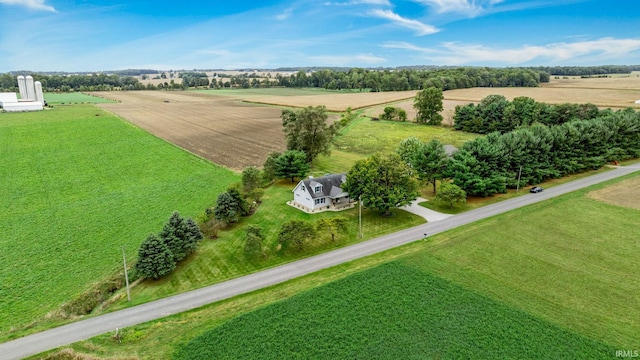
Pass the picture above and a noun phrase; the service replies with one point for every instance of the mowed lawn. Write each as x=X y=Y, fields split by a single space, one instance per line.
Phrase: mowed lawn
x=223 y=258
x=76 y=184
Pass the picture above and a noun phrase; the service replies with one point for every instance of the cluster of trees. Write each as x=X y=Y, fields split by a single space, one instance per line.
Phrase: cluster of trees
x=292 y=234
x=194 y=79
x=65 y=83
x=392 y=113
x=307 y=135
x=496 y=113
x=530 y=155
x=159 y=254
x=411 y=79
x=230 y=205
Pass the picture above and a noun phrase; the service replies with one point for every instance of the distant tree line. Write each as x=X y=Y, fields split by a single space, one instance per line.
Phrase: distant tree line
x=490 y=164
x=496 y=113
x=65 y=83
x=398 y=79
x=586 y=70
x=408 y=79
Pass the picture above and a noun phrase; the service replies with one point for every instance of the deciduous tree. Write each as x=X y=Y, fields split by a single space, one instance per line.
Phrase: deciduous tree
x=333 y=226
x=253 y=241
x=306 y=130
x=408 y=149
x=449 y=194
x=295 y=232
x=430 y=161
x=428 y=104
x=383 y=181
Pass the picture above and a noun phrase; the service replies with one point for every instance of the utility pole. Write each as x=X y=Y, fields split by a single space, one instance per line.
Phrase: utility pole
x=519 y=174
x=360 y=217
x=126 y=276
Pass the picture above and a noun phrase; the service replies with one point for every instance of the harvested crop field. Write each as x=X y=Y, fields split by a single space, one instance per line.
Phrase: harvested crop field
x=221 y=129
x=616 y=92
x=625 y=193
x=336 y=102
x=233 y=131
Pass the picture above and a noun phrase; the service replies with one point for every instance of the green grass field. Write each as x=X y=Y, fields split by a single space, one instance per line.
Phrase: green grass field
x=571 y=261
x=77 y=183
x=275 y=91
x=73 y=98
x=367 y=137
x=559 y=272
x=392 y=311
x=223 y=258
x=364 y=137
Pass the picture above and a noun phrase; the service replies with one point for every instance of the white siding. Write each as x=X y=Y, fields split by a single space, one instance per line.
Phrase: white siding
x=303 y=197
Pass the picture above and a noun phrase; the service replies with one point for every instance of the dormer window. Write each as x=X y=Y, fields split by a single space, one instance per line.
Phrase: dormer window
x=317 y=189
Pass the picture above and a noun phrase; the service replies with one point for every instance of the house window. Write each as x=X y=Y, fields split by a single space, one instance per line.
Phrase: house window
x=320 y=201
x=317 y=189
x=303 y=188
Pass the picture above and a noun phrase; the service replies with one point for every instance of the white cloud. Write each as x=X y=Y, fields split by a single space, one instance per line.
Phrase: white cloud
x=285 y=14
x=31 y=4
x=455 y=53
x=421 y=28
x=469 y=8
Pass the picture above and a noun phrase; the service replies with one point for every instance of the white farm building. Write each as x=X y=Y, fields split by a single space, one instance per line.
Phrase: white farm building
x=31 y=96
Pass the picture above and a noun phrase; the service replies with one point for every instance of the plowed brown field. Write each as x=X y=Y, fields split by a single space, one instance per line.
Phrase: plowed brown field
x=222 y=129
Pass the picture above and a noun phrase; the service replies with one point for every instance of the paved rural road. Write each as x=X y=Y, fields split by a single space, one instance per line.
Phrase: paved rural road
x=85 y=329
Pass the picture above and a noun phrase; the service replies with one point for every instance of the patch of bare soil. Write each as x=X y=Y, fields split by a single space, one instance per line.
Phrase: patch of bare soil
x=625 y=193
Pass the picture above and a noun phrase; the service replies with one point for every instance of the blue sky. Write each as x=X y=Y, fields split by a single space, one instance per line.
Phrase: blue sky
x=88 y=35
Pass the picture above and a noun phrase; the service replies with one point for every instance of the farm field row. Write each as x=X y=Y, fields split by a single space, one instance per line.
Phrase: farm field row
x=550 y=280
x=393 y=311
x=78 y=185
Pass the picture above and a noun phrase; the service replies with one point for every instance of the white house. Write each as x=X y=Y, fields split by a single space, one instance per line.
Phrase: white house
x=322 y=193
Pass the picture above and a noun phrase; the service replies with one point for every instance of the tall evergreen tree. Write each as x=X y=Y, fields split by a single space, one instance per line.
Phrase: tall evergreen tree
x=173 y=234
x=155 y=260
x=291 y=164
x=226 y=209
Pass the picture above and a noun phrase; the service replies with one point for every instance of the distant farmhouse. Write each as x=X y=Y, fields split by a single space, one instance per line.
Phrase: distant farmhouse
x=321 y=194
x=31 y=96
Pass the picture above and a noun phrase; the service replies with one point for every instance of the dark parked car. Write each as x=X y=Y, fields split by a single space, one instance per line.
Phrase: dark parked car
x=536 y=189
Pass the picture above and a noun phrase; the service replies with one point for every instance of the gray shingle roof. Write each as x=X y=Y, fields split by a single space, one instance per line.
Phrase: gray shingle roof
x=330 y=186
